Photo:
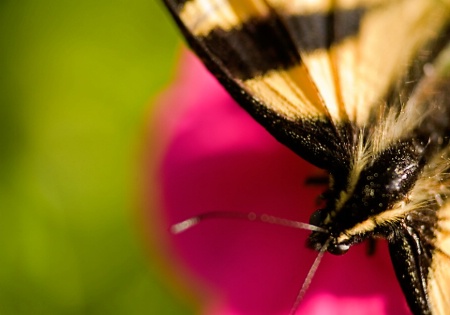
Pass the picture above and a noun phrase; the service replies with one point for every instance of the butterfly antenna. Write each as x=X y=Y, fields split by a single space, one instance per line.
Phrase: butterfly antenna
x=309 y=277
x=251 y=216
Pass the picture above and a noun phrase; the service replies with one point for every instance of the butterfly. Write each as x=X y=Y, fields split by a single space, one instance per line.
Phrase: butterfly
x=361 y=89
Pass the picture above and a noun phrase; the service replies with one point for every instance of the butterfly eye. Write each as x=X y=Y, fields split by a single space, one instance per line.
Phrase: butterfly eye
x=318 y=217
x=338 y=249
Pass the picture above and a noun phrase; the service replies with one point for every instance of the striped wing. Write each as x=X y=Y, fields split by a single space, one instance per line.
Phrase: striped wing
x=310 y=71
x=356 y=50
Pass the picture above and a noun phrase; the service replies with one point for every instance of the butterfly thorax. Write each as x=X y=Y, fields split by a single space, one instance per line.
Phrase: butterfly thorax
x=355 y=206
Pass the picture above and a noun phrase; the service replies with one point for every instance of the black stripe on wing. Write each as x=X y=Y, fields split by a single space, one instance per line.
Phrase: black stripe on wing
x=262 y=44
x=259 y=44
x=321 y=30
x=178 y=5
x=254 y=48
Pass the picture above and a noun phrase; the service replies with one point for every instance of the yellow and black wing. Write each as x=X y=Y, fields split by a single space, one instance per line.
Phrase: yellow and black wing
x=340 y=82
x=309 y=70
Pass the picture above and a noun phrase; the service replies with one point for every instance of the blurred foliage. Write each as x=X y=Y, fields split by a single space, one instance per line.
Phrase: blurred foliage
x=76 y=86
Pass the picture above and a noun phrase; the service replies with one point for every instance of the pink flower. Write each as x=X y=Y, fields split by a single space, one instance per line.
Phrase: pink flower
x=213 y=156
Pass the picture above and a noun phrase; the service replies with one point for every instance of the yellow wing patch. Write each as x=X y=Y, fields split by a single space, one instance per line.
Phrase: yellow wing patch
x=290 y=93
x=202 y=16
x=439 y=272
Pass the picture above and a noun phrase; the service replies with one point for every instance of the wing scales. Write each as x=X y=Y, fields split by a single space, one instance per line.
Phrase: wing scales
x=370 y=46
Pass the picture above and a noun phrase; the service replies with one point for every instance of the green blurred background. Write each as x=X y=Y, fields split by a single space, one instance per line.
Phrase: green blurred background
x=77 y=81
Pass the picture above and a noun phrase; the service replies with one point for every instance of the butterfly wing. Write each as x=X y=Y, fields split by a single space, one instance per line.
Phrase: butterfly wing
x=423 y=271
x=356 y=51
x=248 y=47
x=309 y=71
x=420 y=246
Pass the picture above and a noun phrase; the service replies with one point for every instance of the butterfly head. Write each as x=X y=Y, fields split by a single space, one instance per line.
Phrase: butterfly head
x=317 y=240
x=332 y=241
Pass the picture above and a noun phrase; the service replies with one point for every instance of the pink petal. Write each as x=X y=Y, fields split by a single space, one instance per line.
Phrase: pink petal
x=215 y=157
